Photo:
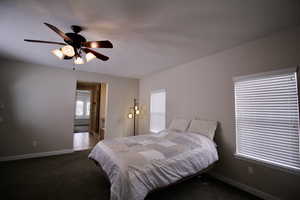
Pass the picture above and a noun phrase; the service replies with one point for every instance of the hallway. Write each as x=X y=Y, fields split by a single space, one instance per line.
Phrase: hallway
x=83 y=141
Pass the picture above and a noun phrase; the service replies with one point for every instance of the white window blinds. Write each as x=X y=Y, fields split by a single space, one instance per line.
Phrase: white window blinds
x=158 y=111
x=267 y=119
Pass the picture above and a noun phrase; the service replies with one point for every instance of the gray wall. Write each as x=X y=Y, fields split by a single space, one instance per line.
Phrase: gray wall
x=204 y=88
x=39 y=106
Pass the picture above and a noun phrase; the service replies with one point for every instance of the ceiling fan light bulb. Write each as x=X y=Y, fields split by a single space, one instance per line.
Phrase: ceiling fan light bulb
x=89 y=56
x=68 y=50
x=58 y=53
x=78 y=61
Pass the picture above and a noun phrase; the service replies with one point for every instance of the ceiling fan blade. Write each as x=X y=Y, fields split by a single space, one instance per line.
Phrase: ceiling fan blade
x=42 y=41
x=98 y=44
x=98 y=55
x=59 y=32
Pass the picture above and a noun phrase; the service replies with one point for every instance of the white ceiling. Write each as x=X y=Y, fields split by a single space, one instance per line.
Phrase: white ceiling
x=148 y=35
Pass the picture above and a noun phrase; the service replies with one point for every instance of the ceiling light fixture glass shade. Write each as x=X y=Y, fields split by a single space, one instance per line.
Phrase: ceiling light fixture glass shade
x=58 y=53
x=68 y=50
x=78 y=61
x=89 y=56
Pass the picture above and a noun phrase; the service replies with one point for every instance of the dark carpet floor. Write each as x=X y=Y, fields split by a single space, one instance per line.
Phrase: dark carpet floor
x=74 y=176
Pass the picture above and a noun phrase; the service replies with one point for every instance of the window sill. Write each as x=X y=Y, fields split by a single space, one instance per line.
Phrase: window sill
x=82 y=118
x=287 y=169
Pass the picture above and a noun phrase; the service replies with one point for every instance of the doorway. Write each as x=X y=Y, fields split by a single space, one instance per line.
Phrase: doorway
x=90 y=114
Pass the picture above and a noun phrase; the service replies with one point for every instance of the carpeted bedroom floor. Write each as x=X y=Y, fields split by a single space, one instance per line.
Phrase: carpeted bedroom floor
x=74 y=177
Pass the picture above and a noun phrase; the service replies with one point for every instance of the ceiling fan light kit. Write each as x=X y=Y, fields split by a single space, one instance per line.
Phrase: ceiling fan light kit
x=58 y=53
x=76 y=45
x=78 y=61
x=68 y=50
x=89 y=56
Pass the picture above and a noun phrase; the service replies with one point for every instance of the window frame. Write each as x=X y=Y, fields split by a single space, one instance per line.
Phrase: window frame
x=165 y=113
x=260 y=161
x=76 y=104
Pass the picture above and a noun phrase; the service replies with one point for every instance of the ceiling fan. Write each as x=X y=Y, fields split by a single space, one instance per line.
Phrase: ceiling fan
x=76 y=45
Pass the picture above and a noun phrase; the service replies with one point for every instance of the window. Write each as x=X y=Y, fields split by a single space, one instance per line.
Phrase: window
x=267 y=118
x=79 y=108
x=82 y=104
x=158 y=111
x=88 y=108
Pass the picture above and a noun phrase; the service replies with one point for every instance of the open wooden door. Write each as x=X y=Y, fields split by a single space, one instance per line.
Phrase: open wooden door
x=103 y=110
x=95 y=110
x=95 y=89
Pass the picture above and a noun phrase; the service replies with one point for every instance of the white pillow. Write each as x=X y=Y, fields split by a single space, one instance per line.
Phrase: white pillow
x=179 y=125
x=203 y=127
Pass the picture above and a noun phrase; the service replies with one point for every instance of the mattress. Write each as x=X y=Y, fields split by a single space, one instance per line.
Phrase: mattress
x=137 y=165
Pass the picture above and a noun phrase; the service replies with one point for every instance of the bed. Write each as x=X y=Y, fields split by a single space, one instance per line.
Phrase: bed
x=137 y=165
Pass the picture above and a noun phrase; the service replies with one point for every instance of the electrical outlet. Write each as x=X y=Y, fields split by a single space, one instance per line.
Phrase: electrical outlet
x=34 y=143
x=250 y=170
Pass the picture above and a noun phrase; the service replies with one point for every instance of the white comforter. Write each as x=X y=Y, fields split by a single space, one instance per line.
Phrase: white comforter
x=138 y=164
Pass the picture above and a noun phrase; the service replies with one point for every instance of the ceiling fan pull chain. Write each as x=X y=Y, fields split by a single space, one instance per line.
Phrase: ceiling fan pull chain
x=74 y=67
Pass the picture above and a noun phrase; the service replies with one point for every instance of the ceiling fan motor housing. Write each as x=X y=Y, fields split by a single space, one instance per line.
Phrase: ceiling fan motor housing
x=77 y=29
x=77 y=40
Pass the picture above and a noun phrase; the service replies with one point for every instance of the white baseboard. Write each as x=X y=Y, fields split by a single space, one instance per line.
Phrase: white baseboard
x=36 y=155
x=244 y=187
